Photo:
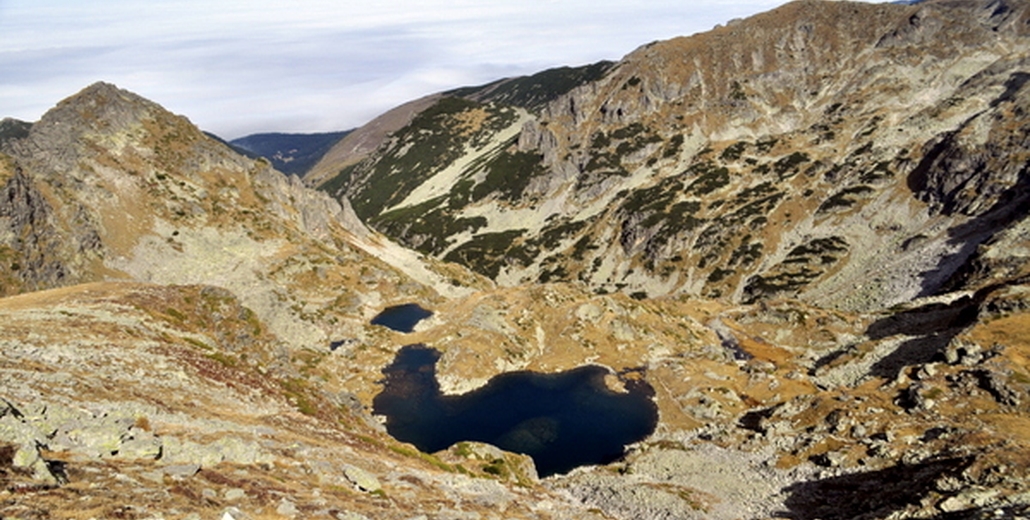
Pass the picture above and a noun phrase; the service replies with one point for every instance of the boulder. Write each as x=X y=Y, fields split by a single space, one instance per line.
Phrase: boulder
x=362 y=479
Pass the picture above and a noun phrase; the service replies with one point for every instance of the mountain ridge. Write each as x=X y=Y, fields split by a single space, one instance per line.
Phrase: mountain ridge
x=187 y=332
x=652 y=115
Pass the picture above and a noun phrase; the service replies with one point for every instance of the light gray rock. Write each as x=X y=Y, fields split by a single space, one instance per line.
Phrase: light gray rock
x=625 y=500
x=233 y=513
x=15 y=431
x=156 y=477
x=348 y=515
x=926 y=372
x=241 y=451
x=956 y=503
x=362 y=479
x=92 y=440
x=28 y=457
x=859 y=431
x=28 y=439
x=144 y=445
x=287 y=508
x=995 y=383
x=181 y=471
x=674 y=483
x=963 y=352
x=228 y=449
x=948 y=484
x=186 y=452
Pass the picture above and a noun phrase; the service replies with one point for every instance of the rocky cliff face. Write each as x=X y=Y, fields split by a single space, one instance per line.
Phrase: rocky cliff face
x=807 y=235
x=797 y=153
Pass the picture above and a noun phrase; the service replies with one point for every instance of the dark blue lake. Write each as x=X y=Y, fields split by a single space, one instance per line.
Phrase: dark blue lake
x=562 y=420
x=402 y=318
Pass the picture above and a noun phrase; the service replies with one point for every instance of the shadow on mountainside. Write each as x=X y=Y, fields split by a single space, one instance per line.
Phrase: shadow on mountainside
x=1010 y=205
x=932 y=327
x=874 y=494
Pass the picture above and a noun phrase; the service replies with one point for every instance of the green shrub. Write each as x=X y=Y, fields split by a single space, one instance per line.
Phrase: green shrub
x=843 y=199
x=733 y=151
x=509 y=174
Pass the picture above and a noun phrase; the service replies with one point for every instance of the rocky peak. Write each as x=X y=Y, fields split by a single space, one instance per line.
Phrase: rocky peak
x=110 y=185
x=98 y=107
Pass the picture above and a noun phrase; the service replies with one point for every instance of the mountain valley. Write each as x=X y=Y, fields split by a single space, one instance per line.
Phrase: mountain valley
x=805 y=234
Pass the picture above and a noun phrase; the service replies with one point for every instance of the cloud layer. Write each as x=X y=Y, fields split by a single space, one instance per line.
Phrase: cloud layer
x=237 y=68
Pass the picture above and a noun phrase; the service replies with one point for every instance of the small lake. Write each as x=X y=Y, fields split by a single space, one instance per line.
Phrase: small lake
x=562 y=420
x=402 y=318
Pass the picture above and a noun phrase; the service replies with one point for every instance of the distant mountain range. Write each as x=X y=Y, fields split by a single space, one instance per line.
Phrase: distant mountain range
x=292 y=154
x=11 y=129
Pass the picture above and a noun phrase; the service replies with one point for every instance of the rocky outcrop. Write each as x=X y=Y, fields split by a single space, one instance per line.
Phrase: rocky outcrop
x=1002 y=258
x=43 y=248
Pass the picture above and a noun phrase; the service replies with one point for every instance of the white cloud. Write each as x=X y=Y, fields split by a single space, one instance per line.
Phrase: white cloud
x=314 y=65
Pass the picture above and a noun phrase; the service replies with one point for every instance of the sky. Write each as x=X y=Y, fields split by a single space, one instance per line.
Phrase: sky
x=236 y=68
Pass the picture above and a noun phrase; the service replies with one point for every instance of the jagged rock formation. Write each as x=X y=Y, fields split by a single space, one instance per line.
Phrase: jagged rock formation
x=795 y=153
x=184 y=332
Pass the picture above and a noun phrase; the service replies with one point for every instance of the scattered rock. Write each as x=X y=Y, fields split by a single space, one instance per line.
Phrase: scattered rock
x=143 y=445
x=362 y=479
x=233 y=513
x=348 y=515
x=181 y=471
x=995 y=383
x=925 y=372
x=227 y=449
x=963 y=353
x=287 y=508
